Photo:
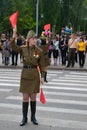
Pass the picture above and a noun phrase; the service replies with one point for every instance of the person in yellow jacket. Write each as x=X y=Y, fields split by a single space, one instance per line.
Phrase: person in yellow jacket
x=81 y=51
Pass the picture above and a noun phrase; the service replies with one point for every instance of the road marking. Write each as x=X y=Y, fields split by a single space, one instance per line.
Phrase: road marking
x=72 y=84
x=52 y=100
x=5 y=90
x=10 y=77
x=50 y=87
x=65 y=94
x=9 y=85
x=10 y=70
x=54 y=72
x=74 y=78
x=65 y=88
x=78 y=73
x=75 y=81
x=44 y=108
x=9 y=80
x=47 y=121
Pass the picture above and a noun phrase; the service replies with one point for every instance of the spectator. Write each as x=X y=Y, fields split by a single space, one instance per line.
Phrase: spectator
x=81 y=52
x=63 y=48
x=2 y=40
x=7 y=50
x=55 y=50
x=44 y=46
x=72 y=48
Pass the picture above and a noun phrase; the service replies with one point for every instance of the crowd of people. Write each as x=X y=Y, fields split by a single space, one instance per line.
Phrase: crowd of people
x=6 y=49
x=64 y=49
x=72 y=50
x=67 y=49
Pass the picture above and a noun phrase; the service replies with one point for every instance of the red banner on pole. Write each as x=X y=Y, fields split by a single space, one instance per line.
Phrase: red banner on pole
x=13 y=19
x=47 y=27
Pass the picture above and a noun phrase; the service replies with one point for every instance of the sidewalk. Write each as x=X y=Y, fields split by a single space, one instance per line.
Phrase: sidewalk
x=75 y=68
x=51 y=67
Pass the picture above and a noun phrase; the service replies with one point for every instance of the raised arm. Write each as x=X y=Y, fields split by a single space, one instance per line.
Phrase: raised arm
x=14 y=42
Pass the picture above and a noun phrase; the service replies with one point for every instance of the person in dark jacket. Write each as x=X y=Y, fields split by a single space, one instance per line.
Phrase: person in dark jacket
x=63 y=48
x=30 y=77
x=45 y=43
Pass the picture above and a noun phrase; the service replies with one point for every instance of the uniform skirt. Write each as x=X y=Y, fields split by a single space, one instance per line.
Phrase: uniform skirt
x=47 y=61
x=30 y=81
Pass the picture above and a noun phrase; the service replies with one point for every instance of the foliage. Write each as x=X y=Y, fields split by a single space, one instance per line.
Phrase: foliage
x=59 y=13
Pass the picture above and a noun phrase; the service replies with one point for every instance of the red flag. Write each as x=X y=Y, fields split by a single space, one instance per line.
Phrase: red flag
x=42 y=97
x=47 y=27
x=13 y=19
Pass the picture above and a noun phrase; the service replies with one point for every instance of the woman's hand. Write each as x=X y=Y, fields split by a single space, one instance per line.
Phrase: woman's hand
x=84 y=53
x=42 y=81
x=14 y=31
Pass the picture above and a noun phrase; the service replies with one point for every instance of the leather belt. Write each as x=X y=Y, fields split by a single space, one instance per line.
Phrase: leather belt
x=29 y=67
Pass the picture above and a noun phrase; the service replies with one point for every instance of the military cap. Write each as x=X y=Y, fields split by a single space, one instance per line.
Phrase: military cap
x=31 y=34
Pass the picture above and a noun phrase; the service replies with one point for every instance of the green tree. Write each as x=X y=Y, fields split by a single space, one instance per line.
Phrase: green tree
x=58 y=13
x=26 y=19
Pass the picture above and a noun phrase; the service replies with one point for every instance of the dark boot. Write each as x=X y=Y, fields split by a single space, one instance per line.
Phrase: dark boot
x=33 y=111
x=24 y=111
x=45 y=77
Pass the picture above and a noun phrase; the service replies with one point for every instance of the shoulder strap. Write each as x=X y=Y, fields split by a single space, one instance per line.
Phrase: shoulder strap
x=72 y=42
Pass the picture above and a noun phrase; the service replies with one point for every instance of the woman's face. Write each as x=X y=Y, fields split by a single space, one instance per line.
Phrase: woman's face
x=81 y=39
x=3 y=36
x=32 y=41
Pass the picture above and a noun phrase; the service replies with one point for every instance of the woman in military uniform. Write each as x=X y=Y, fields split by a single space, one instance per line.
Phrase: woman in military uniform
x=30 y=78
x=45 y=43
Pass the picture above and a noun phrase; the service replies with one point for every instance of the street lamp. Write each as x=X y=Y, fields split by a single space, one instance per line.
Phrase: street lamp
x=37 y=10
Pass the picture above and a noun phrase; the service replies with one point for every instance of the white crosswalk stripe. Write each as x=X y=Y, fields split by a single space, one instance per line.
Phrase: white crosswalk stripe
x=52 y=100
x=75 y=81
x=66 y=96
x=5 y=90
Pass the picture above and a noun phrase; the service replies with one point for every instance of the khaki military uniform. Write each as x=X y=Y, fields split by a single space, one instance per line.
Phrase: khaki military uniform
x=45 y=53
x=30 y=78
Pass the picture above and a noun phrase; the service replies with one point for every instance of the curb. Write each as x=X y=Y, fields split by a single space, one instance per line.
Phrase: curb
x=67 y=69
x=49 y=68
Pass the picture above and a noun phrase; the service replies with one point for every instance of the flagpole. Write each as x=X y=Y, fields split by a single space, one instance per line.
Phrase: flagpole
x=37 y=8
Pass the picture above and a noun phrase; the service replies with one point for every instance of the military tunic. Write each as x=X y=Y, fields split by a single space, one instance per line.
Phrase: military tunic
x=45 y=53
x=30 y=77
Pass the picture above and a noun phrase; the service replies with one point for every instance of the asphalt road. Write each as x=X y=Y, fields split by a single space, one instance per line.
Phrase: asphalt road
x=66 y=101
